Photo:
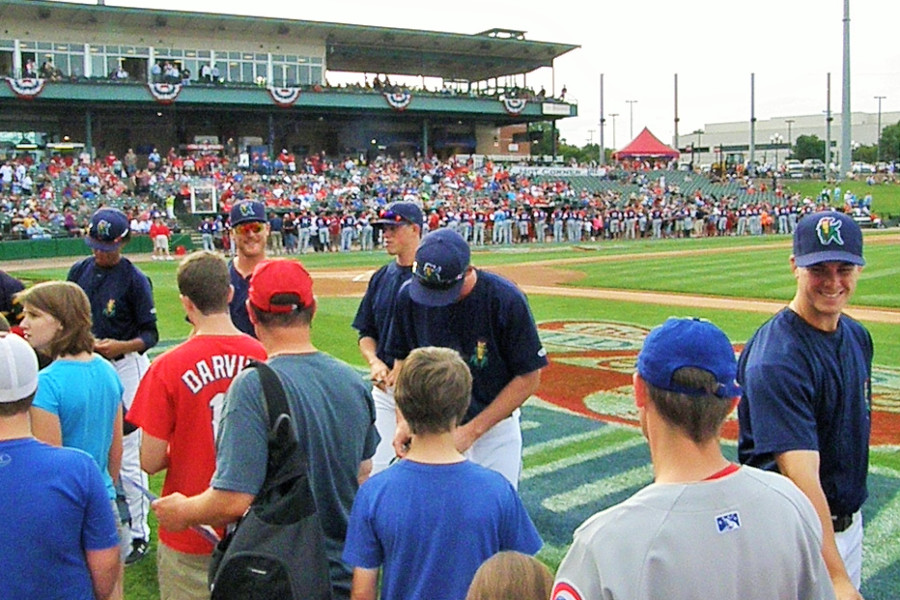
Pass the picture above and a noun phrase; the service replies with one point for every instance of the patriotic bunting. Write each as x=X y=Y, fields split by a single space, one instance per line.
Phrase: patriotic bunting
x=27 y=88
x=398 y=100
x=284 y=96
x=164 y=93
x=514 y=106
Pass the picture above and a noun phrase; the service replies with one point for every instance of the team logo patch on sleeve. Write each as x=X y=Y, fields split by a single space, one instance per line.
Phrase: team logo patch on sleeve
x=728 y=522
x=564 y=591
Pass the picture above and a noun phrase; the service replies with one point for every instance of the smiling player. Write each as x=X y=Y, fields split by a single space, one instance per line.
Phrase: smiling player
x=806 y=377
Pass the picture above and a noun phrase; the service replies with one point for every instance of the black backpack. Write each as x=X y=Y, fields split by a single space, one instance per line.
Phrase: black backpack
x=277 y=549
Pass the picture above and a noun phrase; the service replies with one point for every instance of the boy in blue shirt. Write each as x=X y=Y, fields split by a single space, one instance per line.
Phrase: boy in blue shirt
x=431 y=519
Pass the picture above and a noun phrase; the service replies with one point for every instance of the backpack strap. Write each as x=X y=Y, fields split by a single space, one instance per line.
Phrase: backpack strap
x=283 y=444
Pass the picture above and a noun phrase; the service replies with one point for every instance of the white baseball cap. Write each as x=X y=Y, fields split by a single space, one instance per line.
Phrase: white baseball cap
x=18 y=368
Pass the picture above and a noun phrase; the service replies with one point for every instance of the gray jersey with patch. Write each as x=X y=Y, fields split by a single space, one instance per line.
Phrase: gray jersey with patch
x=751 y=535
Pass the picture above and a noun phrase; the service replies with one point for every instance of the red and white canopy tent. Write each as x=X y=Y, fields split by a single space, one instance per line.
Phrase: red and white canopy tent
x=646 y=145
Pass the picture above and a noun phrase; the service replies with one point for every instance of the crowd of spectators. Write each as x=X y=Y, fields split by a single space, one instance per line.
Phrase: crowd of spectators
x=489 y=203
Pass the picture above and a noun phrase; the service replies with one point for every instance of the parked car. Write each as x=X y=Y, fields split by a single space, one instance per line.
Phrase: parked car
x=862 y=168
x=793 y=168
x=813 y=165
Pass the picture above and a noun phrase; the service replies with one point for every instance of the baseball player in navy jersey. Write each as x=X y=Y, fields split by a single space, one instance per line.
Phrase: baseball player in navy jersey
x=250 y=231
x=705 y=528
x=402 y=225
x=124 y=325
x=486 y=318
x=806 y=375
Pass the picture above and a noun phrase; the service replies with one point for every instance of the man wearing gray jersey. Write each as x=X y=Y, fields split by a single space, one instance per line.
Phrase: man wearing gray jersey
x=705 y=528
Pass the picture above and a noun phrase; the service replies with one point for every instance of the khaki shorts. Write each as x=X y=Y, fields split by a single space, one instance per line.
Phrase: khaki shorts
x=181 y=576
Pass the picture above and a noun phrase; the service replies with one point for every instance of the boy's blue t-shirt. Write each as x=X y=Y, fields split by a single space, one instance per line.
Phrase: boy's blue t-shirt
x=432 y=526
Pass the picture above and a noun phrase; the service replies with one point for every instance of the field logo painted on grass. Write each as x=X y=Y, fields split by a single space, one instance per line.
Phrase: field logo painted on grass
x=592 y=364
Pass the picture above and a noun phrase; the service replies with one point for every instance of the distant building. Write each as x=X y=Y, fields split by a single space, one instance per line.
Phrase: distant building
x=735 y=136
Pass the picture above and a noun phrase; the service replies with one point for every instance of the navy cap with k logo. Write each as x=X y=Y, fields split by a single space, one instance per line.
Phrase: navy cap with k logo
x=828 y=237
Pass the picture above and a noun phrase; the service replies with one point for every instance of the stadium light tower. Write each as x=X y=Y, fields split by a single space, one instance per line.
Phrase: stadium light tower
x=790 y=139
x=878 y=133
x=631 y=104
x=698 y=133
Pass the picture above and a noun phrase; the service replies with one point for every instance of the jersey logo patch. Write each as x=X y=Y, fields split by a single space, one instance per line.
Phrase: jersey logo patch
x=564 y=591
x=728 y=522
x=479 y=358
x=110 y=310
x=829 y=230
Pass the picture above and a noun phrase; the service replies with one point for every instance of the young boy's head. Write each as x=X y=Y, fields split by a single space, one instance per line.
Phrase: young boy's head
x=433 y=390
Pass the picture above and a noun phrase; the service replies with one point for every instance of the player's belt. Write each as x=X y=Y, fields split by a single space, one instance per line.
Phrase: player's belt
x=841 y=522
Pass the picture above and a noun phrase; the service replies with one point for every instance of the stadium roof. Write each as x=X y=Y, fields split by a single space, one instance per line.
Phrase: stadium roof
x=352 y=48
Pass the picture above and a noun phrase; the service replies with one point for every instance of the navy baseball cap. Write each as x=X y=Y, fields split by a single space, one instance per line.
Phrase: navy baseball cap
x=439 y=268
x=108 y=230
x=248 y=211
x=692 y=342
x=399 y=213
x=828 y=236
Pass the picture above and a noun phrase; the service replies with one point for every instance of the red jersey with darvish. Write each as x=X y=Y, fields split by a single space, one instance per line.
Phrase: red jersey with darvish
x=180 y=400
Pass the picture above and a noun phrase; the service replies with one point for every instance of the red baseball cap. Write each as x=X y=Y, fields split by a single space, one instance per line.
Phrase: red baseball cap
x=281 y=286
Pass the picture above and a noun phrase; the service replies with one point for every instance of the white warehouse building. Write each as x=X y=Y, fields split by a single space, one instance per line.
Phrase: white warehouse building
x=778 y=135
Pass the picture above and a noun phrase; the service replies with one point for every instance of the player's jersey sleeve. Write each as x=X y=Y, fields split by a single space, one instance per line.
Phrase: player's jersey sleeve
x=521 y=343
x=578 y=577
x=400 y=339
x=364 y=322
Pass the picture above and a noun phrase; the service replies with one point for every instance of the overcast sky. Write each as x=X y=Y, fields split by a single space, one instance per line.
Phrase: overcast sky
x=713 y=45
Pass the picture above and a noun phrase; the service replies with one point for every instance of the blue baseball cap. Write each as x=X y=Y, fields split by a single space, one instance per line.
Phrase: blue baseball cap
x=439 y=269
x=826 y=237
x=248 y=211
x=400 y=213
x=680 y=343
x=108 y=230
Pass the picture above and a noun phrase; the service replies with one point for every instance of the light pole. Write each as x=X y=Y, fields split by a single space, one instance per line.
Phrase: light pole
x=631 y=104
x=698 y=133
x=790 y=139
x=613 y=117
x=878 y=135
x=775 y=139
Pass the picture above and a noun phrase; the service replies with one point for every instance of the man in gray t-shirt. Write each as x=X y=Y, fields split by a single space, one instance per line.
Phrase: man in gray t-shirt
x=332 y=409
x=705 y=528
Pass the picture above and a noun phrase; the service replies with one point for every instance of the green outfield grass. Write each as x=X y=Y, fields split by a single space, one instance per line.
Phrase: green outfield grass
x=760 y=271
x=885 y=196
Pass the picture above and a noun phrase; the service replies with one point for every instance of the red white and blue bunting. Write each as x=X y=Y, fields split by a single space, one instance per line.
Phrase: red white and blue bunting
x=284 y=96
x=398 y=100
x=28 y=88
x=514 y=106
x=164 y=93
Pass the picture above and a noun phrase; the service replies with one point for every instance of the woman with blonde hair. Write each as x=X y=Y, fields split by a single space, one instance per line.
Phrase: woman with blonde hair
x=78 y=403
x=511 y=576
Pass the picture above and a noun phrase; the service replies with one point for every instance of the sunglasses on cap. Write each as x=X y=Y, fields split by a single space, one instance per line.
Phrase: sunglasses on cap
x=252 y=227
x=389 y=215
x=431 y=278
